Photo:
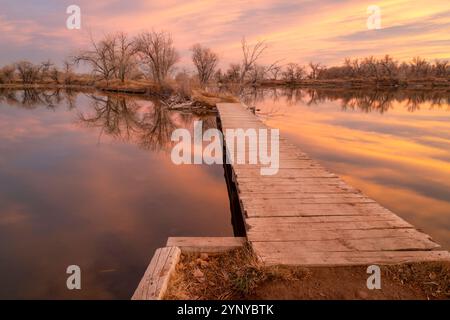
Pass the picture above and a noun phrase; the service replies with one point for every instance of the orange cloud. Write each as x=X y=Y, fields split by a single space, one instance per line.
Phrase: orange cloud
x=325 y=30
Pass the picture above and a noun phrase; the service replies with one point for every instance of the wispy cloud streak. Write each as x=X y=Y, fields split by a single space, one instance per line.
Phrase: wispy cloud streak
x=300 y=30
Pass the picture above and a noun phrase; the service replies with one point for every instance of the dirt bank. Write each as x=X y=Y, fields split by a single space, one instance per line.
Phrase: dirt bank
x=238 y=275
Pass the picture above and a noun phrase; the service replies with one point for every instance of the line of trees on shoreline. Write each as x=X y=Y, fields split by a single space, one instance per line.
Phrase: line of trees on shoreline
x=152 y=56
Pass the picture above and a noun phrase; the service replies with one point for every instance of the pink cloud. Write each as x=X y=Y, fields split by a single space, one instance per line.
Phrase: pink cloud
x=296 y=30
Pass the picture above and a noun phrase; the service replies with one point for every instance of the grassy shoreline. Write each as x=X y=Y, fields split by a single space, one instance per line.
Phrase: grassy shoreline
x=415 y=84
x=148 y=87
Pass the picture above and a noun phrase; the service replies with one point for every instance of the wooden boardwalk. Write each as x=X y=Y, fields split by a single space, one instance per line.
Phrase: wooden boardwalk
x=306 y=215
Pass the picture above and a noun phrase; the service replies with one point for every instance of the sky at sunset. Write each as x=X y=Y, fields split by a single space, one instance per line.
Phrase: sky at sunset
x=324 y=31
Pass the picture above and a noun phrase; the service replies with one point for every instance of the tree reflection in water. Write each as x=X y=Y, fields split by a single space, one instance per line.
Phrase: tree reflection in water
x=147 y=123
x=150 y=124
x=114 y=116
x=33 y=98
x=157 y=127
x=362 y=100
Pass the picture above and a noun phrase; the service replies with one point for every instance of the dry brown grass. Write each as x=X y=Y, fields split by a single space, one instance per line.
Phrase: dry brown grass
x=232 y=275
x=237 y=274
x=211 y=99
x=131 y=86
x=432 y=278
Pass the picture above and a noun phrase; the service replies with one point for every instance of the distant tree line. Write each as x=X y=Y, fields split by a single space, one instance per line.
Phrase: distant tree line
x=28 y=73
x=368 y=100
x=151 y=55
x=385 y=68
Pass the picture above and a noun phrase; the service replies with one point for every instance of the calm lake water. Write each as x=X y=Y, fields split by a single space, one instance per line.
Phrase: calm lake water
x=86 y=180
x=395 y=147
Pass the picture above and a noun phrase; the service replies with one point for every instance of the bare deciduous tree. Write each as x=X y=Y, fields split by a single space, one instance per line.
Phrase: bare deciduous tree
x=315 y=69
x=157 y=54
x=389 y=66
x=101 y=57
x=293 y=72
x=441 y=67
x=205 y=60
x=348 y=67
x=125 y=56
x=45 y=69
x=54 y=74
x=370 y=67
x=218 y=76
x=257 y=73
x=7 y=73
x=67 y=66
x=28 y=72
x=356 y=65
x=275 y=71
x=68 y=71
x=234 y=72
x=419 y=67
x=251 y=54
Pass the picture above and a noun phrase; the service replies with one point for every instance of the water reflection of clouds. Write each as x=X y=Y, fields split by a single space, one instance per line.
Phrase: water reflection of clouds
x=430 y=132
x=67 y=199
x=13 y=214
x=426 y=213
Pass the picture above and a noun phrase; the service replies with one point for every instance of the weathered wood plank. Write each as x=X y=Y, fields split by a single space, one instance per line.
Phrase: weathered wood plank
x=289 y=224
x=299 y=199
x=281 y=221
x=281 y=184
x=154 y=283
x=351 y=234
x=288 y=180
x=293 y=190
x=289 y=256
x=348 y=245
x=206 y=244
x=305 y=222
x=291 y=173
x=314 y=209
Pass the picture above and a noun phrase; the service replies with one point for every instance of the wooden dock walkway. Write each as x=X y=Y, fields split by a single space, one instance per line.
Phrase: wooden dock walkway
x=306 y=215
